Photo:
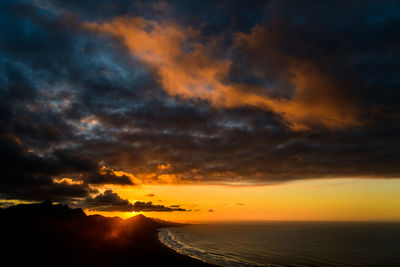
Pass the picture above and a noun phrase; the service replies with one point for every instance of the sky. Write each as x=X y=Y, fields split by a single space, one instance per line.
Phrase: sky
x=202 y=110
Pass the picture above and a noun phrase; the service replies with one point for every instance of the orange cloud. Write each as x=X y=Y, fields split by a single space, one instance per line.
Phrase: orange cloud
x=316 y=101
x=160 y=178
x=187 y=69
x=191 y=74
x=67 y=181
x=164 y=166
x=105 y=170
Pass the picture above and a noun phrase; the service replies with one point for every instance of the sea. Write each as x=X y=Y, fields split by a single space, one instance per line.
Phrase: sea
x=288 y=243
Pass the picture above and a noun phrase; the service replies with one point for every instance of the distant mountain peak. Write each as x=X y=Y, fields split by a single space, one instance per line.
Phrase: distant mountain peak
x=141 y=219
x=48 y=210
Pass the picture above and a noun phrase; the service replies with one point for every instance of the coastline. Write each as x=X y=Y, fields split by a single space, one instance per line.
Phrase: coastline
x=181 y=259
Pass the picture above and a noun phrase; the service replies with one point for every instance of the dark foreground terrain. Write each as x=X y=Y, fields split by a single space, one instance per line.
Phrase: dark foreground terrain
x=55 y=235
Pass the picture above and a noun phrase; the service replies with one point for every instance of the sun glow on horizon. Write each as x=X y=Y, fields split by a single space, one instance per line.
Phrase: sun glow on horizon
x=320 y=199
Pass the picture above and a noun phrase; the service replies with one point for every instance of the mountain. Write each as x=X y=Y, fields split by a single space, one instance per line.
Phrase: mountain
x=152 y=222
x=45 y=234
x=42 y=210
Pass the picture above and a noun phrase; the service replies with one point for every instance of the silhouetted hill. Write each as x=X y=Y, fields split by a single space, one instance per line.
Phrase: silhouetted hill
x=55 y=235
x=152 y=222
x=43 y=210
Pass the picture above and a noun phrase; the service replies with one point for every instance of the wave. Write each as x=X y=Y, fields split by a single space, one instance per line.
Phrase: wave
x=167 y=238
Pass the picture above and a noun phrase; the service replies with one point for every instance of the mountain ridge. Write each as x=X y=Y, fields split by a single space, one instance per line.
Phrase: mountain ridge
x=43 y=234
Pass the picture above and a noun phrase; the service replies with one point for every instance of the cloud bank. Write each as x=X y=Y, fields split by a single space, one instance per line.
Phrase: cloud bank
x=188 y=68
x=132 y=93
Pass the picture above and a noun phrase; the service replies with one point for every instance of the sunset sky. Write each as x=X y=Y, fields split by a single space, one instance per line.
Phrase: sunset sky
x=202 y=110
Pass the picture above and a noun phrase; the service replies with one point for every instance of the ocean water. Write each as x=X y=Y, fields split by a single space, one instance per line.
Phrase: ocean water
x=288 y=243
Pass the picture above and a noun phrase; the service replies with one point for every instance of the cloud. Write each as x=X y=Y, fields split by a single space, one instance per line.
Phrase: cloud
x=287 y=93
x=29 y=177
x=110 y=201
x=108 y=176
x=186 y=68
x=164 y=166
x=149 y=206
x=314 y=99
x=107 y=201
x=150 y=195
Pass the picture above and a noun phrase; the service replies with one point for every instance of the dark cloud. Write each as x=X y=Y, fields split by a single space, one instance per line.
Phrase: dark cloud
x=149 y=206
x=107 y=201
x=107 y=176
x=150 y=195
x=110 y=201
x=28 y=176
x=84 y=105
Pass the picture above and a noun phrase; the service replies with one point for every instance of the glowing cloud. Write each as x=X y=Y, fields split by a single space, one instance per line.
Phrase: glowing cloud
x=186 y=68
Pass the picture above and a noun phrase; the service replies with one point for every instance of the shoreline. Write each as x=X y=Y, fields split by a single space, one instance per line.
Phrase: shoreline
x=191 y=261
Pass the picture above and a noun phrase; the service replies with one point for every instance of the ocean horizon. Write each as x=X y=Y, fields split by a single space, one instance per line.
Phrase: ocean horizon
x=288 y=243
